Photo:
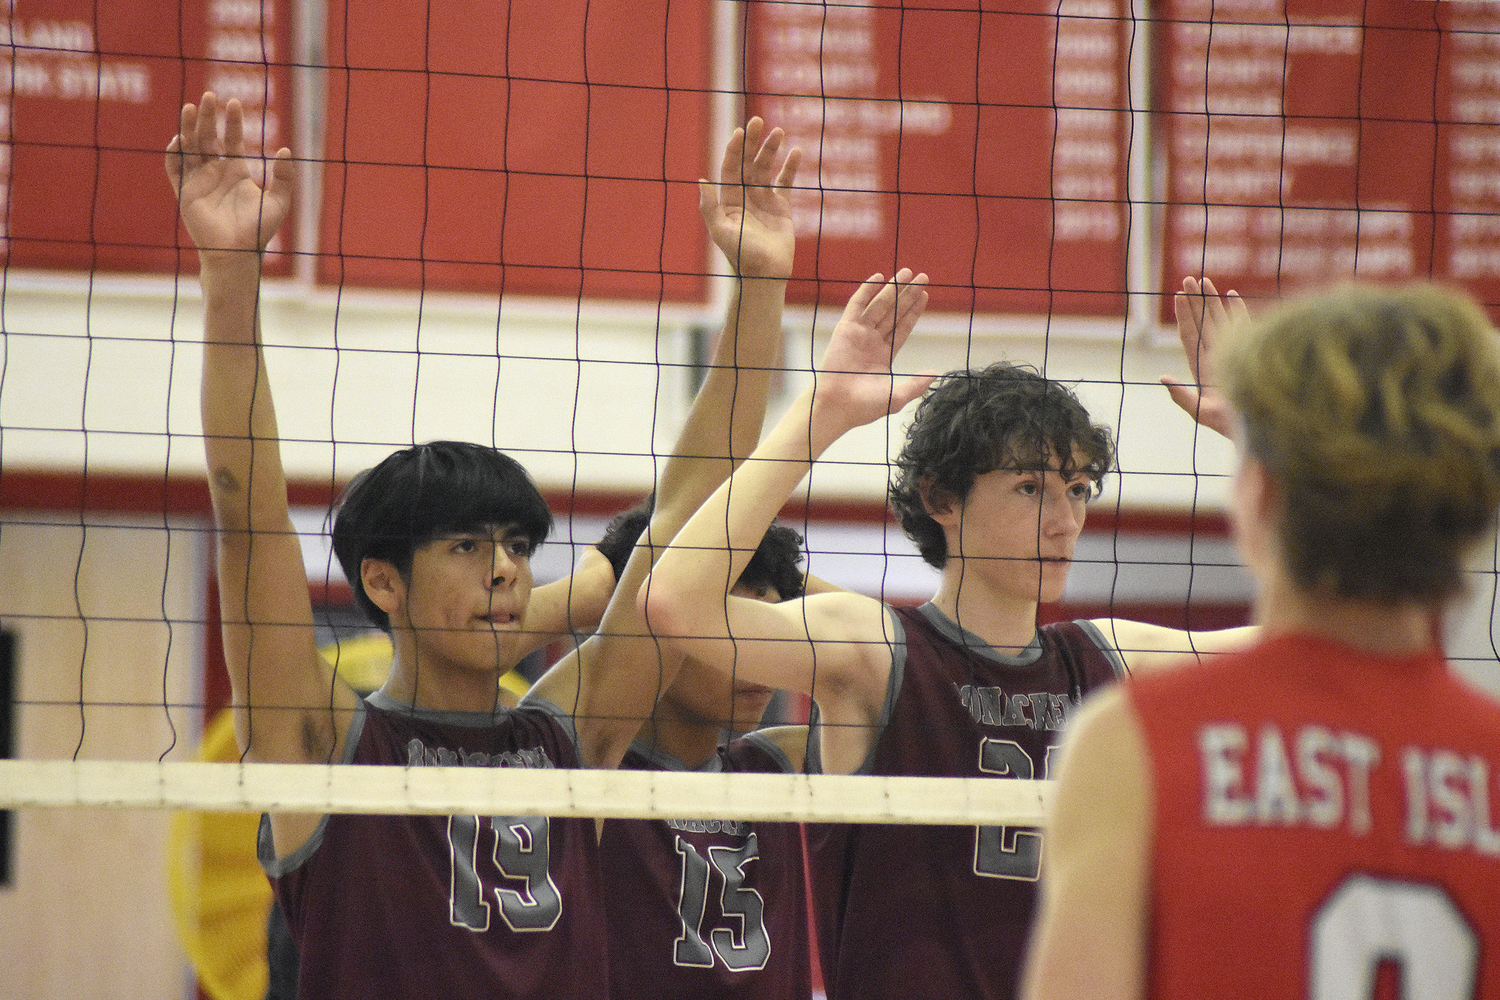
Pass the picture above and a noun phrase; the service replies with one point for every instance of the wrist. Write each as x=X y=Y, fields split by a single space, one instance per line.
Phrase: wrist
x=228 y=268
x=229 y=261
x=828 y=419
x=807 y=429
x=770 y=284
x=229 y=286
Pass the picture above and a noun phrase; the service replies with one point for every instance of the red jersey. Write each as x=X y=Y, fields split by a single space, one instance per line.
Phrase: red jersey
x=458 y=907
x=703 y=907
x=944 y=911
x=1327 y=824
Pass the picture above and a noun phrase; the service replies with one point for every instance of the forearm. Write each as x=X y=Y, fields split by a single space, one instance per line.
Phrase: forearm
x=711 y=550
x=240 y=435
x=615 y=677
x=724 y=424
x=574 y=604
x=269 y=644
x=740 y=379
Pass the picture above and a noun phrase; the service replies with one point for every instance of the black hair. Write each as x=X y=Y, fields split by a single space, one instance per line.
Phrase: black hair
x=776 y=562
x=426 y=492
x=622 y=532
x=976 y=421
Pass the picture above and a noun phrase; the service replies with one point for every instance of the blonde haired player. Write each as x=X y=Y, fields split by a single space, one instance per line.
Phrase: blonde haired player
x=1312 y=816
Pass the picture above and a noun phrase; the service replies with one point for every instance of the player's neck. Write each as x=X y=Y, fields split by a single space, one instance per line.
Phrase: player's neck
x=1005 y=622
x=691 y=740
x=427 y=683
x=1379 y=627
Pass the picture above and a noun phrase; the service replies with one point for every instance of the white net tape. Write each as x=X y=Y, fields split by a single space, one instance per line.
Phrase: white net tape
x=345 y=788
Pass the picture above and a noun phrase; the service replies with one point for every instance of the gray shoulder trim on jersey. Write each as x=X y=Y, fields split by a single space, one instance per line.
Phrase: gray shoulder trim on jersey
x=897 y=638
x=1096 y=636
x=356 y=730
x=536 y=702
x=969 y=642
x=265 y=848
x=661 y=760
x=813 y=762
x=385 y=703
x=479 y=720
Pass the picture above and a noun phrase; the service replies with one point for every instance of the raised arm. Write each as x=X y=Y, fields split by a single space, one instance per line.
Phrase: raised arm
x=749 y=217
x=571 y=605
x=825 y=641
x=1147 y=647
x=1203 y=318
x=284 y=698
x=612 y=681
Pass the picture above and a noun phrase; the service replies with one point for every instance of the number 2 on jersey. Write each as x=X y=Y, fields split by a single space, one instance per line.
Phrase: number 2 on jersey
x=1013 y=852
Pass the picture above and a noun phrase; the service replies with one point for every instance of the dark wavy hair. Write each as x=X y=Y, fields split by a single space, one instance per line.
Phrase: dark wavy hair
x=975 y=421
x=776 y=562
x=622 y=532
x=426 y=492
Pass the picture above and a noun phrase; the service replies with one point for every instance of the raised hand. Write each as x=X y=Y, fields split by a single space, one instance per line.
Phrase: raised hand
x=857 y=374
x=225 y=205
x=1202 y=317
x=748 y=212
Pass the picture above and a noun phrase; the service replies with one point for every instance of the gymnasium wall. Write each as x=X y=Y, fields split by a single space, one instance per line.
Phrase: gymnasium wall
x=462 y=266
x=86 y=912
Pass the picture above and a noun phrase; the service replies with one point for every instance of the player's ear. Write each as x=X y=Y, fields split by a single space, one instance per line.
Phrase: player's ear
x=940 y=504
x=383 y=584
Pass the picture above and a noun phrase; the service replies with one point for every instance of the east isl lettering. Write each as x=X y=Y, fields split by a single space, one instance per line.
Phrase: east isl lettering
x=1315 y=777
x=1448 y=800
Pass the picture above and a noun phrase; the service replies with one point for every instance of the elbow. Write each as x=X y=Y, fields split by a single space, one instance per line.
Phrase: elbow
x=661 y=608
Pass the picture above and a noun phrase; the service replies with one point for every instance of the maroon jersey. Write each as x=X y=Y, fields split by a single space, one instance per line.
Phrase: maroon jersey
x=458 y=907
x=703 y=907
x=1327 y=823
x=944 y=911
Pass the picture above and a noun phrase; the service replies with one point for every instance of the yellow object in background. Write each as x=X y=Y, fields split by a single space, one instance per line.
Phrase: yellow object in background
x=364 y=661
x=220 y=896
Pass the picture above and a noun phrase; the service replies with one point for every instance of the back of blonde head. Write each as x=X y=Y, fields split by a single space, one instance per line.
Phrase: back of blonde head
x=1377 y=412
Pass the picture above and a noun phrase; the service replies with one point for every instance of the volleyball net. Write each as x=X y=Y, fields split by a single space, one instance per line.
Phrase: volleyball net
x=506 y=200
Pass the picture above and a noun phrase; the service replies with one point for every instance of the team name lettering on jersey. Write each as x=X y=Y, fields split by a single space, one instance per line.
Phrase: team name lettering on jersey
x=1317 y=778
x=731 y=827
x=1448 y=800
x=419 y=754
x=991 y=706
